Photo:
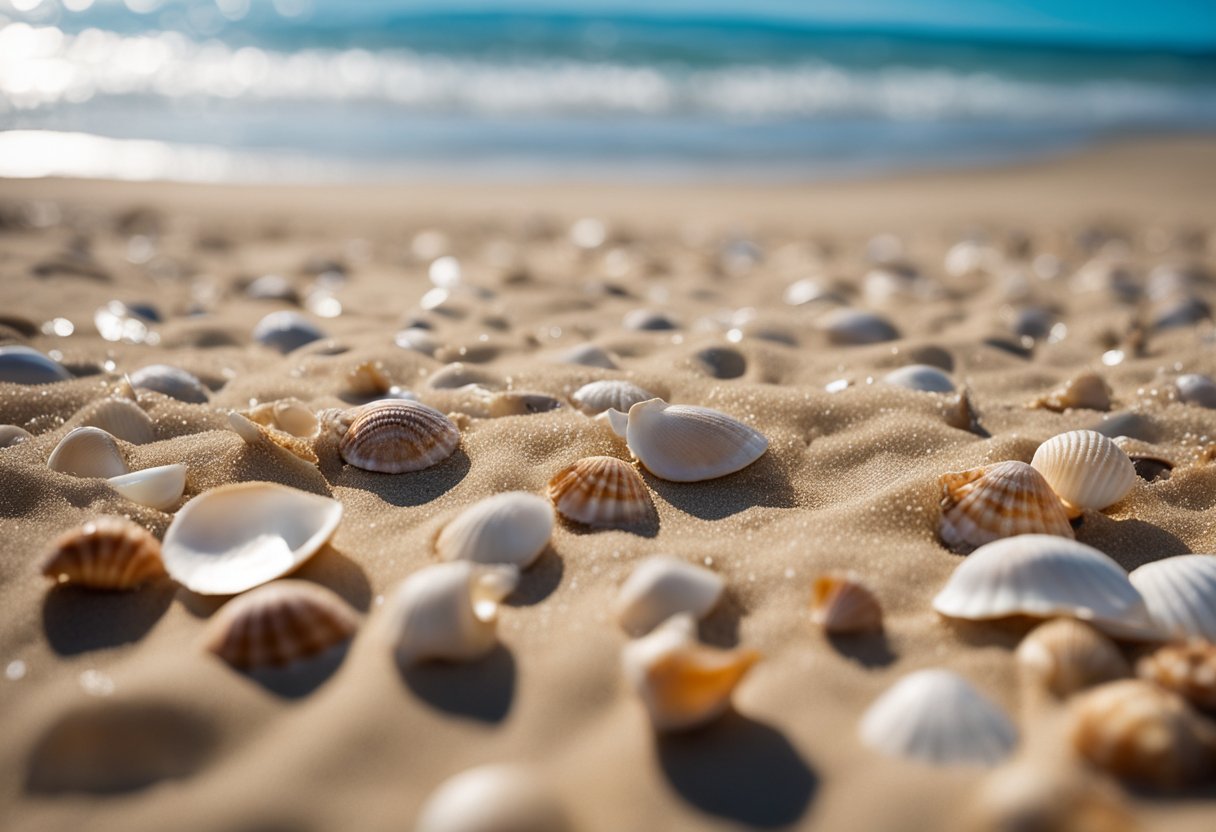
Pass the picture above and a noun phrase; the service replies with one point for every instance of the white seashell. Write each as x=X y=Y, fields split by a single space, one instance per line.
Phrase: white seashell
x=611 y=394
x=235 y=537
x=1085 y=468
x=121 y=418
x=417 y=339
x=257 y=434
x=589 y=355
x=936 y=716
x=849 y=326
x=395 y=436
x=448 y=611
x=170 y=381
x=1181 y=594
x=493 y=798
x=685 y=443
x=295 y=417
x=1064 y=656
x=158 y=488
x=11 y=435
x=601 y=491
x=512 y=528
x=807 y=290
x=1043 y=576
x=272 y=287
x=995 y=501
x=920 y=377
x=660 y=587
x=25 y=365
x=1196 y=389
x=88 y=452
x=1087 y=390
x=286 y=331
x=842 y=604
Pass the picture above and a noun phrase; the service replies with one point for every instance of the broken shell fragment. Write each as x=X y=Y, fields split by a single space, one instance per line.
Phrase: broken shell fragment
x=686 y=443
x=105 y=553
x=88 y=452
x=157 y=488
x=493 y=798
x=257 y=434
x=1064 y=656
x=842 y=604
x=601 y=491
x=1180 y=592
x=996 y=501
x=448 y=611
x=614 y=394
x=1086 y=469
x=512 y=528
x=660 y=587
x=368 y=379
x=397 y=436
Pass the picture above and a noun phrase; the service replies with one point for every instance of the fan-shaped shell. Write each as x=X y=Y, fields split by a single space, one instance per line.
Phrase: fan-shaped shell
x=920 y=377
x=1181 y=594
x=513 y=527
x=235 y=537
x=609 y=394
x=88 y=452
x=660 y=587
x=1085 y=468
x=841 y=603
x=1064 y=656
x=279 y=624
x=493 y=798
x=685 y=443
x=995 y=501
x=397 y=436
x=121 y=418
x=173 y=382
x=601 y=491
x=936 y=716
x=1087 y=390
x=25 y=365
x=1045 y=576
x=105 y=553
x=448 y=611
x=158 y=488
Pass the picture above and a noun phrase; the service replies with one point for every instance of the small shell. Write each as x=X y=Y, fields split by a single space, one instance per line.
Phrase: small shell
x=258 y=434
x=937 y=717
x=717 y=362
x=106 y=553
x=398 y=436
x=681 y=682
x=286 y=331
x=1087 y=390
x=279 y=624
x=614 y=394
x=122 y=418
x=588 y=355
x=1181 y=594
x=841 y=603
x=368 y=379
x=25 y=365
x=455 y=376
x=88 y=452
x=418 y=340
x=1188 y=670
x=521 y=404
x=996 y=501
x=272 y=287
x=660 y=587
x=1085 y=468
x=1065 y=656
x=173 y=382
x=158 y=488
x=601 y=491
x=448 y=611
x=1196 y=389
x=648 y=320
x=685 y=443
x=235 y=537
x=511 y=528
x=11 y=435
x=493 y=798
x=295 y=417
x=850 y=326
x=920 y=377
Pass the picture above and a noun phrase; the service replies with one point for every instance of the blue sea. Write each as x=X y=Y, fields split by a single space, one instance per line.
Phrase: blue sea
x=370 y=89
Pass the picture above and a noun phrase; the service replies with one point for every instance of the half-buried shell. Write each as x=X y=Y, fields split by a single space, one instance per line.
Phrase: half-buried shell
x=601 y=491
x=448 y=611
x=1064 y=656
x=995 y=501
x=121 y=418
x=159 y=488
x=610 y=394
x=1087 y=469
x=1181 y=594
x=105 y=553
x=842 y=604
x=88 y=452
x=512 y=528
x=398 y=436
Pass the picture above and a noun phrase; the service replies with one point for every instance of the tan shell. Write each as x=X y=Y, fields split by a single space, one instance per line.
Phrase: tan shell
x=1086 y=469
x=995 y=501
x=398 y=436
x=106 y=553
x=601 y=491
x=278 y=624
x=841 y=603
x=122 y=418
x=1033 y=794
x=1187 y=669
x=257 y=434
x=88 y=452
x=289 y=415
x=368 y=379
x=1087 y=390
x=1064 y=656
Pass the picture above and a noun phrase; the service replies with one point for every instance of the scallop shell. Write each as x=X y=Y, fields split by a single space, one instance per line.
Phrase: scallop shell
x=512 y=528
x=685 y=443
x=841 y=603
x=493 y=798
x=1085 y=468
x=121 y=418
x=660 y=587
x=173 y=382
x=920 y=377
x=105 y=553
x=368 y=379
x=286 y=331
x=398 y=436
x=256 y=434
x=1143 y=734
x=25 y=365
x=1064 y=656
x=996 y=501
x=157 y=488
x=279 y=624
x=1087 y=390
x=610 y=394
x=11 y=435
x=850 y=326
x=936 y=716
x=448 y=611
x=1181 y=594
x=601 y=491
x=1044 y=576
x=88 y=452
x=1196 y=389
x=681 y=682
x=1188 y=670
x=235 y=537
x=589 y=355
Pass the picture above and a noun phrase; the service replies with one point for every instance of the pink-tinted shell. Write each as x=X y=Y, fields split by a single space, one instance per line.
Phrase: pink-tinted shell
x=996 y=501
x=395 y=437
x=106 y=553
x=601 y=491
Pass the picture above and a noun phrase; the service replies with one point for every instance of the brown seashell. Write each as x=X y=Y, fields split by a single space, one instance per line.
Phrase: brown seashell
x=601 y=491
x=1064 y=656
x=278 y=624
x=398 y=436
x=996 y=501
x=106 y=553
x=841 y=603
x=1087 y=390
x=959 y=412
x=1188 y=670
x=256 y=433
x=368 y=379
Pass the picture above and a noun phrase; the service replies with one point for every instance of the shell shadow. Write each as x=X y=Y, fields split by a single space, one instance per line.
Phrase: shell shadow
x=763 y=483
x=721 y=627
x=1131 y=542
x=77 y=620
x=342 y=574
x=302 y=678
x=540 y=580
x=412 y=489
x=644 y=528
x=867 y=649
x=480 y=690
x=999 y=632
x=741 y=770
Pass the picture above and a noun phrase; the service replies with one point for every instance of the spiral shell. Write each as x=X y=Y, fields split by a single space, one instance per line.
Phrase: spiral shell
x=660 y=587
x=105 y=553
x=1188 y=669
x=1064 y=656
x=1086 y=469
x=397 y=436
x=512 y=527
x=685 y=443
x=601 y=491
x=995 y=501
x=88 y=452
x=448 y=611
x=841 y=603
x=611 y=394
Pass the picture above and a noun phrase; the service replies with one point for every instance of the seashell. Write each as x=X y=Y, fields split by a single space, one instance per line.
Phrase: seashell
x=157 y=488
x=660 y=587
x=121 y=418
x=258 y=434
x=1188 y=670
x=1064 y=656
x=417 y=339
x=1181 y=594
x=398 y=436
x=173 y=382
x=1043 y=576
x=455 y=376
x=685 y=443
x=521 y=404
x=808 y=290
x=368 y=379
x=841 y=603
x=720 y=362
x=1086 y=469
x=88 y=452
x=272 y=287
x=493 y=798
x=920 y=377
x=235 y=537
x=1185 y=310
x=936 y=716
x=105 y=553
x=1196 y=389
x=648 y=320
x=1037 y=795
x=995 y=501
x=681 y=682
x=611 y=394
x=279 y=624
x=512 y=527
x=1143 y=734
x=1087 y=391
x=448 y=611
x=25 y=365
x=588 y=355
x=286 y=330
x=850 y=326
x=1033 y=322
x=11 y=435
x=601 y=491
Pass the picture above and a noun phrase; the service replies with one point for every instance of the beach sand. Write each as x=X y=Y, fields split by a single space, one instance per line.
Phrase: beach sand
x=175 y=739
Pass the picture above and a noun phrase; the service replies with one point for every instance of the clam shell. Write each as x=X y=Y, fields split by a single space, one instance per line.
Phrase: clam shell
x=588 y=355
x=660 y=587
x=996 y=501
x=1044 y=576
x=455 y=376
x=920 y=377
x=448 y=611
x=601 y=491
x=1065 y=656
x=121 y=418
x=158 y=488
x=235 y=537
x=1188 y=670
x=1181 y=594
x=610 y=394
x=279 y=624
x=25 y=365
x=512 y=528
x=88 y=452
x=1085 y=468
x=173 y=382
x=105 y=553
x=398 y=436
x=286 y=331
x=1196 y=389
x=850 y=326
x=493 y=798
x=685 y=443
x=937 y=717
x=841 y=603
x=11 y=435
x=1087 y=390
x=1034 y=794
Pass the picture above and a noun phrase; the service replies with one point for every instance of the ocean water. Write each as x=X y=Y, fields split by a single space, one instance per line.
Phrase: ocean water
x=368 y=89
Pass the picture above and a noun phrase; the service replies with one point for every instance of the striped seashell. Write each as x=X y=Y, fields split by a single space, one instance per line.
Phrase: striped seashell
x=88 y=452
x=685 y=443
x=448 y=611
x=996 y=501
x=257 y=435
x=493 y=798
x=159 y=488
x=660 y=587
x=1086 y=469
x=1064 y=656
x=841 y=603
x=513 y=528
x=11 y=435
x=105 y=553
x=609 y=394
x=1181 y=594
x=398 y=436
x=1188 y=669
x=121 y=418
x=601 y=491
x=279 y=624
x=1087 y=390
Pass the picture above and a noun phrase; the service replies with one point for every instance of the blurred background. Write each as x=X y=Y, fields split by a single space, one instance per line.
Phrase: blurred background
x=326 y=90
